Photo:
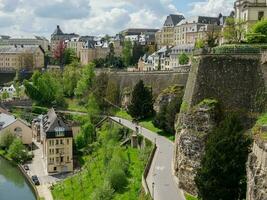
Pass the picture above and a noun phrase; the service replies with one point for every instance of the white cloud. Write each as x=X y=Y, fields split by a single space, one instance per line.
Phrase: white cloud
x=93 y=17
x=211 y=7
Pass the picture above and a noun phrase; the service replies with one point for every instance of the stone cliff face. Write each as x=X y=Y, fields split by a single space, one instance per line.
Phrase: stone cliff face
x=167 y=95
x=257 y=172
x=237 y=82
x=193 y=128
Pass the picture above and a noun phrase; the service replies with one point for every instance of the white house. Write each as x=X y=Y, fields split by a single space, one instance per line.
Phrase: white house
x=11 y=90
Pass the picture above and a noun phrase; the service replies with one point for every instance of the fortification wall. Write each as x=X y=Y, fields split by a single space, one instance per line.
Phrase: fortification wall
x=236 y=81
x=158 y=80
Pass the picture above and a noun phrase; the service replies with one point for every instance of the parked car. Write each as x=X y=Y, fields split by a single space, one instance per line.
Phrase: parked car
x=26 y=167
x=35 y=180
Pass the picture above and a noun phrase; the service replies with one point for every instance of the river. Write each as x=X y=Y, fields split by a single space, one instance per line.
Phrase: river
x=13 y=185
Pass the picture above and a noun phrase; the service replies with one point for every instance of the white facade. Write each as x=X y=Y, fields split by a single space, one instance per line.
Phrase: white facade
x=250 y=11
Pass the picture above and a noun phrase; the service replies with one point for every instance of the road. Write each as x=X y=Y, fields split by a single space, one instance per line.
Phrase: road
x=165 y=187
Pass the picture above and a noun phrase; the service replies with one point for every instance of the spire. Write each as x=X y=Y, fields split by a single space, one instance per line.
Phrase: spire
x=58 y=31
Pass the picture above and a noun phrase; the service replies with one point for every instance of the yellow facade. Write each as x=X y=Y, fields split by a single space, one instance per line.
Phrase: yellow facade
x=58 y=154
x=11 y=61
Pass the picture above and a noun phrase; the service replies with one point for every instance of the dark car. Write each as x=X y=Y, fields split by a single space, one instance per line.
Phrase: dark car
x=26 y=167
x=35 y=180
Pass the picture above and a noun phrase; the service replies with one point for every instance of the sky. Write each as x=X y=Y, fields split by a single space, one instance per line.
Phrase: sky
x=25 y=18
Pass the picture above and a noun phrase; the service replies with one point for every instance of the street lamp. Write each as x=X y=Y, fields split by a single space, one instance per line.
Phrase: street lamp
x=153 y=188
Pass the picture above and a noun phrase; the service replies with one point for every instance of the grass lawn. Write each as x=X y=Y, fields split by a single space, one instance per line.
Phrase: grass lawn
x=150 y=126
x=123 y=114
x=147 y=123
x=96 y=167
x=190 y=197
x=73 y=105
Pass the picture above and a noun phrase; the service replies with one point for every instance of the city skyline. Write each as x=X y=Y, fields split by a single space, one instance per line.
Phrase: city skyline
x=97 y=17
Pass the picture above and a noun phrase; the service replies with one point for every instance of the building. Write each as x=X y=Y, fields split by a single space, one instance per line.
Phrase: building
x=176 y=51
x=191 y=30
x=57 y=141
x=11 y=90
x=18 y=127
x=92 y=50
x=250 y=11
x=34 y=41
x=165 y=37
x=22 y=57
x=137 y=31
x=58 y=36
x=76 y=45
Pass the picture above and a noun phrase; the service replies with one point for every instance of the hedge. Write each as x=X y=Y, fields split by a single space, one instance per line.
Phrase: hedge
x=239 y=48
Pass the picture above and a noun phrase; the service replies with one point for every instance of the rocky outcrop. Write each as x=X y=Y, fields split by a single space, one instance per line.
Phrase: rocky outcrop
x=167 y=95
x=126 y=98
x=193 y=128
x=257 y=172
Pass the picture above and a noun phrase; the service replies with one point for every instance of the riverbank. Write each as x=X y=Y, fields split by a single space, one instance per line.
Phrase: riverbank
x=15 y=185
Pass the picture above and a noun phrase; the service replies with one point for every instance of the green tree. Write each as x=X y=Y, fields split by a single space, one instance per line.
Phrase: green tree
x=183 y=59
x=127 y=53
x=117 y=179
x=71 y=76
x=113 y=92
x=233 y=31
x=92 y=108
x=104 y=192
x=200 y=44
x=69 y=56
x=86 y=136
x=17 y=151
x=100 y=88
x=138 y=51
x=86 y=81
x=171 y=112
x=258 y=33
x=6 y=139
x=141 y=105
x=223 y=167
x=5 y=95
x=46 y=89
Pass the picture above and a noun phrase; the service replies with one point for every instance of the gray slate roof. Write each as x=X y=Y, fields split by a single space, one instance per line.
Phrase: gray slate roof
x=19 y=49
x=173 y=20
x=6 y=120
x=51 y=121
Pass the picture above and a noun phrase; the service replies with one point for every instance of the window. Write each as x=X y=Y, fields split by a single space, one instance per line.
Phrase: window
x=260 y=15
x=67 y=141
x=18 y=132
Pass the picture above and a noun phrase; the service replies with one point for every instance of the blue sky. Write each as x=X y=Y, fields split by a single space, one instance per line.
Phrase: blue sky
x=97 y=17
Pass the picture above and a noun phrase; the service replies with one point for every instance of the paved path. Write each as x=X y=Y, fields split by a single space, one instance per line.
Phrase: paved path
x=160 y=173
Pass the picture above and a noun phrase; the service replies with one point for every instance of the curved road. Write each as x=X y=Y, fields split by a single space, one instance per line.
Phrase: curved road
x=165 y=187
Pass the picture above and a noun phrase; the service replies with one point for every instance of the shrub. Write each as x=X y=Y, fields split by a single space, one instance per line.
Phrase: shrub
x=6 y=139
x=39 y=110
x=17 y=151
x=183 y=59
x=117 y=179
x=104 y=192
x=233 y=48
x=258 y=33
